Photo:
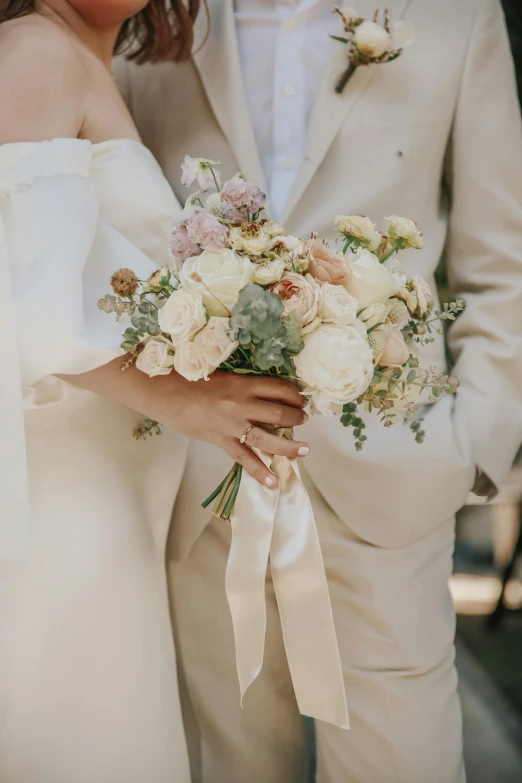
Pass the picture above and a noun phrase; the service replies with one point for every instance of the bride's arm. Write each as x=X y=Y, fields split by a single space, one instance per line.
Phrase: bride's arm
x=41 y=98
x=217 y=411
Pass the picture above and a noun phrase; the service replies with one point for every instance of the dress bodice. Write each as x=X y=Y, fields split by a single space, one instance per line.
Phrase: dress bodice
x=71 y=213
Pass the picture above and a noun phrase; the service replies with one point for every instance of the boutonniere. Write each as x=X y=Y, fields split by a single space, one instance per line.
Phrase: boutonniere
x=371 y=42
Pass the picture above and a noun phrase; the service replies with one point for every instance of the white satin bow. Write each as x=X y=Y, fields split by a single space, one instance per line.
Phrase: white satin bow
x=280 y=525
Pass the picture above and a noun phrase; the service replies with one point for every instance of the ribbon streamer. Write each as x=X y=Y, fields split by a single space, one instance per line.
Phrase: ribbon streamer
x=279 y=525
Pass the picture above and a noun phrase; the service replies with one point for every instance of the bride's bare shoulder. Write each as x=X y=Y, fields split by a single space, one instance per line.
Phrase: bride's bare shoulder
x=42 y=82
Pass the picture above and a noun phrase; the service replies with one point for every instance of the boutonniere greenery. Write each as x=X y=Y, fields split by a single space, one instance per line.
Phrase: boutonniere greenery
x=370 y=41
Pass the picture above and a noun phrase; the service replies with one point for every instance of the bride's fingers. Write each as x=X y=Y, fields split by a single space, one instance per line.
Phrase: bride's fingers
x=246 y=457
x=279 y=390
x=257 y=438
x=275 y=414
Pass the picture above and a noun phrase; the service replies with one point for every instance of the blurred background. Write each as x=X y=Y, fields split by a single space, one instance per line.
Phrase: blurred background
x=487 y=590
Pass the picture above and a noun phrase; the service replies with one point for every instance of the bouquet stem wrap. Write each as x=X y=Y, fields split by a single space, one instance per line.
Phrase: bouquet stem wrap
x=279 y=525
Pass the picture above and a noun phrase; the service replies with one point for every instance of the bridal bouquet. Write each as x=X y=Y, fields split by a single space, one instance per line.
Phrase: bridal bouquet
x=243 y=296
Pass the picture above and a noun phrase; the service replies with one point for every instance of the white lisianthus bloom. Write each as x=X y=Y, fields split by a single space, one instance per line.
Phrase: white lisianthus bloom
x=401 y=228
x=336 y=305
x=252 y=238
x=374 y=314
x=269 y=273
x=213 y=345
x=218 y=277
x=402 y=34
x=182 y=315
x=336 y=365
x=154 y=359
x=369 y=281
x=200 y=169
x=190 y=362
x=372 y=40
x=361 y=229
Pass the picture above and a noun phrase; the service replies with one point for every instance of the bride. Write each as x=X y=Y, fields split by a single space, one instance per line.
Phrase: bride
x=88 y=688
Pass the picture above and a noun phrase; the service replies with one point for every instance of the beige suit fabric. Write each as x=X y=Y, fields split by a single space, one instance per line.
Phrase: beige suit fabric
x=436 y=136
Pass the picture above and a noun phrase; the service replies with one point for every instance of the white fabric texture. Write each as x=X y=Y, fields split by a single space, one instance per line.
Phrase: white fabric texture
x=88 y=687
x=284 y=47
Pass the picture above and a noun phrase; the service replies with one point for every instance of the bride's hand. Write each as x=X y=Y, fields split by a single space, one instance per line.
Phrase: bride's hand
x=217 y=411
x=221 y=410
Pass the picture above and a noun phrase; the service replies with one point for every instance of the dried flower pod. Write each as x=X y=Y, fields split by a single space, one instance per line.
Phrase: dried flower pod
x=124 y=282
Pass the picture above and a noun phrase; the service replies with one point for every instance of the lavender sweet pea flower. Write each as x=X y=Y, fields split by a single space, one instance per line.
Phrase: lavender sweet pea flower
x=202 y=170
x=243 y=199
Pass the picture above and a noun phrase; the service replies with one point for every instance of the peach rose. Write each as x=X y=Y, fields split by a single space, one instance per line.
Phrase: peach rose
x=300 y=296
x=326 y=265
x=395 y=352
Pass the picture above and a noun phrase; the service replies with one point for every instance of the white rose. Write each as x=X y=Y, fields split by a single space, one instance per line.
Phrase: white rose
x=361 y=228
x=269 y=273
x=406 y=230
x=213 y=344
x=218 y=277
x=252 y=238
x=190 y=362
x=337 y=306
x=336 y=365
x=369 y=281
x=374 y=314
x=154 y=359
x=372 y=40
x=182 y=315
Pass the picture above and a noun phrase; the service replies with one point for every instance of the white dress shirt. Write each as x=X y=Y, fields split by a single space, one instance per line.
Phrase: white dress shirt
x=284 y=47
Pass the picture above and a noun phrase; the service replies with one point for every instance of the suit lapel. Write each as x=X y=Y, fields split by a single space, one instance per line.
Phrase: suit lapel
x=219 y=66
x=331 y=109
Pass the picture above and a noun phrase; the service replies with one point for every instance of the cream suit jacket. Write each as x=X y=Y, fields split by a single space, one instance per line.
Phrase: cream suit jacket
x=436 y=136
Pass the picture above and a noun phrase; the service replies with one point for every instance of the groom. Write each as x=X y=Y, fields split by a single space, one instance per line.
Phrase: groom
x=436 y=136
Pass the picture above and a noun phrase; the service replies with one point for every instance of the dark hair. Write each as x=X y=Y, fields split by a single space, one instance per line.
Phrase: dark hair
x=163 y=30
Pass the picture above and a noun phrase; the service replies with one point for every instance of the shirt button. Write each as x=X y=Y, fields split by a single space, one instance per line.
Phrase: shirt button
x=288 y=163
x=289 y=90
x=290 y=25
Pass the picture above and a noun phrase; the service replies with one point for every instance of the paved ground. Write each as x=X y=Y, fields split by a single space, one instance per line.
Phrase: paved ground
x=492 y=730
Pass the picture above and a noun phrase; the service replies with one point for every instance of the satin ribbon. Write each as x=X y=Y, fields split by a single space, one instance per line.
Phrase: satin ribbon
x=278 y=524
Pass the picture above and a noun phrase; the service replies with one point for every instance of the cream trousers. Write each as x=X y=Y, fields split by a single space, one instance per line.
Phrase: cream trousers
x=395 y=625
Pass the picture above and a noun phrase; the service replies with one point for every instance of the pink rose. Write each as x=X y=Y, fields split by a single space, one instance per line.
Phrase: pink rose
x=300 y=296
x=327 y=266
x=395 y=352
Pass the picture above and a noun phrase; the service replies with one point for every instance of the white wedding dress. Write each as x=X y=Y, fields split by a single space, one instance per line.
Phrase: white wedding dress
x=88 y=687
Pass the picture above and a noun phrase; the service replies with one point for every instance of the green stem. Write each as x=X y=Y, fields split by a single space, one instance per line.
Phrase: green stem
x=214 y=495
x=214 y=176
x=229 y=507
x=396 y=246
x=224 y=491
x=349 y=241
